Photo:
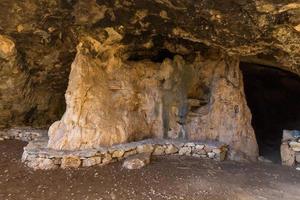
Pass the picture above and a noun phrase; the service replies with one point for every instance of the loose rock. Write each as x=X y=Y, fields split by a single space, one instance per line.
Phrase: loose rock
x=137 y=161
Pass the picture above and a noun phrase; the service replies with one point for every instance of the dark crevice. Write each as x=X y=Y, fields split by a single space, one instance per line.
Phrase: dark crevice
x=158 y=56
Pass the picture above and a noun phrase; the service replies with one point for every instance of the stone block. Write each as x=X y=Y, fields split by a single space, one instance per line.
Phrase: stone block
x=185 y=151
x=159 y=150
x=106 y=158
x=137 y=161
x=91 y=161
x=287 y=155
x=211 y=155
x=118 y=153
x=145 y=148
x=130 y=153
x=42 y=164
x=70 y=162
x=295 y=146
x=171 y=149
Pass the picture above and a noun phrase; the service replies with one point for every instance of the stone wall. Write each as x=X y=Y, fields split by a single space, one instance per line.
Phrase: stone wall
x=25 y=134
x=290 y=148
x=36 y=156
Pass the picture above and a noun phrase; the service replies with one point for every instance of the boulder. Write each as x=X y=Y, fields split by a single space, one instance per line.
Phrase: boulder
x=137 y=161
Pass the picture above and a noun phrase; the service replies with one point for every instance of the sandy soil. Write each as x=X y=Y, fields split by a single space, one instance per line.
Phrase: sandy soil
x=165 y=178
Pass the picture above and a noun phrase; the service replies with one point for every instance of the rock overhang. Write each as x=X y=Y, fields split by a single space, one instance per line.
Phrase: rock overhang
x=257 y=31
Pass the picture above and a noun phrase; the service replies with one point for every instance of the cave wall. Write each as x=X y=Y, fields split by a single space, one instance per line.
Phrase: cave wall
x=44 y=35
x=113 y=100
x=23 y=102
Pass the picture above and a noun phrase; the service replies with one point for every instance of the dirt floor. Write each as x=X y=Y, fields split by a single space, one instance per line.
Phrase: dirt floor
x=165 y=178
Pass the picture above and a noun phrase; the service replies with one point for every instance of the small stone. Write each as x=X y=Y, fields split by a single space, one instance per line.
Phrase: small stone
x=145 y=148
x=287 y=155
x=298 y=168
x=137 y=161
x=171 y=149
x=190 y=144
x=159 y=150
x=296 y=149
x=211 y=154
x=106 y=158
x=91 y=161
x=185 y=151
x=118 y=154
x=1 y=139
x=199 y=146
x=130 y=153
x=42 y=164
x=294 y=144
x=70 y=162
x=47 y=164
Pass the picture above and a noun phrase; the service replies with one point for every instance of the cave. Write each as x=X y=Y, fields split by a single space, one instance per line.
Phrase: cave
x=273 y=96
x=97 y=74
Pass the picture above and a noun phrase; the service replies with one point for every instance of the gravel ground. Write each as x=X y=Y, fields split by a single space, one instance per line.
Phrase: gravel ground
x=165 y=178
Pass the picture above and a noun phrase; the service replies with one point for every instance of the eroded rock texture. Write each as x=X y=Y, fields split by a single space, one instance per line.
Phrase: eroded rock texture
x=111 y=100
x=143 y=68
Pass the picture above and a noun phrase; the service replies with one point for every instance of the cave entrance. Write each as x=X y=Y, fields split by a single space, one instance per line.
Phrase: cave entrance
x=273 y=96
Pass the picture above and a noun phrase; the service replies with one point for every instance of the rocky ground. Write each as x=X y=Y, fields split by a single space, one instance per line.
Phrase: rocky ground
x=165 y=178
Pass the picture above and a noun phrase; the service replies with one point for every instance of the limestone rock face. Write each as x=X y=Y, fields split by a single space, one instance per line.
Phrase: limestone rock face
x=227 y=117
x=14 y=84
x=112 y=100
x=45 y=34
x=143 y=68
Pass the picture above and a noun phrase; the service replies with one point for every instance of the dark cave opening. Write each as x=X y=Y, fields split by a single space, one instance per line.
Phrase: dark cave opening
x=273 y=96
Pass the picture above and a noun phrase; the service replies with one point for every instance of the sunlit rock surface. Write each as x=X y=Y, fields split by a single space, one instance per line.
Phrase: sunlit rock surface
x=140 y=68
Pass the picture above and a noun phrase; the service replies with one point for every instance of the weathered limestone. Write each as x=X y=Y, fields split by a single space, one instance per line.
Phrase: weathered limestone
x=290 y=147
x=227 y=117
x=116 y=94
x=111 y=100
x=137 y=161
x=14 y=84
